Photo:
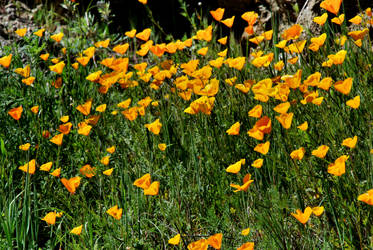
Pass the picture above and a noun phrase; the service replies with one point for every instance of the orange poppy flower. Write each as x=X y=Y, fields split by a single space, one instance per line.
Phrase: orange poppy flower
x=58 y=68
x=223 y=40
x=46 y=166
x=356 y=20
x=6 y=60
x=143 y=182
x=65 y=128
x=21 y=32
x=217 y=14
x=339 y=57
x=303 y=126
x=293 y=32
x=282 y=108
x=367 y=197
x=131 y=33
x=77 y=230
x=339 y=19
x=29 y=167
x=320 y=20
x=246 y=184
x=50 y=218
x=203 y=51
x=234 y=129
x=303 y=217
x=285 y=120
x=85 y=108
x=108 y=172
x=25 y=147
x=16 y=113
x=318 y=210
x=144 y=35
x=236 y=167
x=228 y=22
x=154 y=127
x=344 y=86
x=331 y=5
x=89 y=52
x=111 y=150
x=354 y=103
x=258 y=163
x=339 y=166
x=321 y=151
x=71 y=184
x=56 y=172
x=262 y=148
x=57 y=139
x=153 y=189
x=102 y=44
x=88 y=171
x=298 y=154
x=350 y=142
x=162 y=146
x=39 y=32
x=205 y=34
x=84 y=128
x=115 y=212
x=121 y=48
x=28 y=81
x=25 y=72
x=215 y=240
x=247 y=246
x=57 y=37
x=250 y=17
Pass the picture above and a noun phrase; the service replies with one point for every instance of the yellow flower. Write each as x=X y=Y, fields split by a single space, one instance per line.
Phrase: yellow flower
x=262 y=148
x=21 y=32
x=108 y=172
x=154 y=127
x=298 y=154
x=25 y=147
x=354 y=103
x=174 y=240
x=285 y=120
x=57 y=37
x=115 y=212
x=105 y=160
x=318 y=210
x=236 y=167
x=320 y=151
x=258 y=163
x=303 y=126
x=77 y=230
x=339 y=166
x=350 y=142
x=303 y=217
x=234 y=129
x=367 y=197
x=29 y=167
x=162 y=146
x=245 y=232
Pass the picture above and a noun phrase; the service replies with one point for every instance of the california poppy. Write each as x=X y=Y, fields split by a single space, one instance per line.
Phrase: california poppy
x=234 y=129
x=85 y=108
x=236 y=167
x=215 y=240
x=303 y=217
x=46 y=166
x=57 y=37
x=144 y=35
x=262 y=148
x=320 y=20
x=115 y=212
x=247 y=246
x=338 y=167
x=153 y=189
x=154 y=127
x=77 y=230
x=102 y=44
x=350 y=142
x=71 y=184
x=298 y=154
x=6 y=60
x=174 y=240
x=344 y=86
x=331 y=5
x=16 y=113
x=57 y=139
x=354 y=103
x=258 y=163
x=339 y=19
x=228 y=22
x=217 y=14
x=367 y=197
x=58 y=68
x=29 y=167
x=21 y=32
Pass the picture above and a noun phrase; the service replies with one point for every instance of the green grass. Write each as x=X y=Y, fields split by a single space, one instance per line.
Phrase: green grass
x=194 y=198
